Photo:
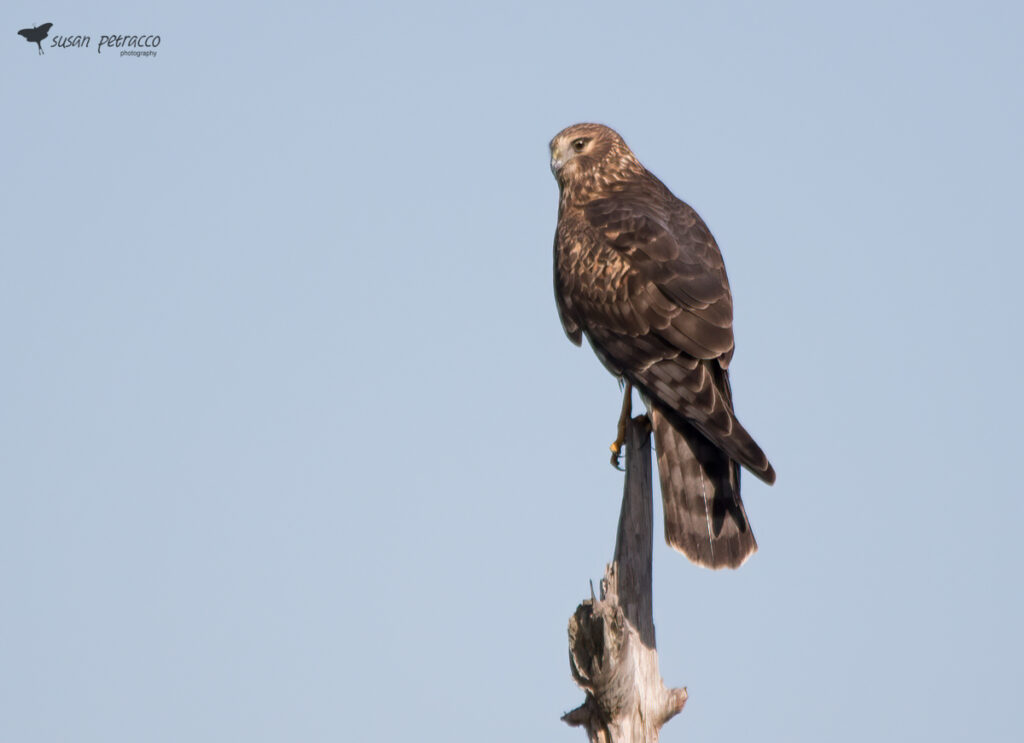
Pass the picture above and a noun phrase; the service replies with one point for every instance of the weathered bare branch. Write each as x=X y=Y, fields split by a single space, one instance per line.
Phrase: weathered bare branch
x=612 y=651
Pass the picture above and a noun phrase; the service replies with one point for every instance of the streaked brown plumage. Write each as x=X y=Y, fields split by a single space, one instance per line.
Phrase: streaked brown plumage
x=638 y=272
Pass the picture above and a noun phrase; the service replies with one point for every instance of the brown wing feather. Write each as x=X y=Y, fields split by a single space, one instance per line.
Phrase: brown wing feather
x=563 y=290
x=641 y=274
x=674 y=278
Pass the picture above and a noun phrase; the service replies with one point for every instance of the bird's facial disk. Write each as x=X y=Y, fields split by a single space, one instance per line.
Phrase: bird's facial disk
x=564 y=149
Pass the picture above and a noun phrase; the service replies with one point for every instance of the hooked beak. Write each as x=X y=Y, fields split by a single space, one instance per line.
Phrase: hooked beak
x=557 y=161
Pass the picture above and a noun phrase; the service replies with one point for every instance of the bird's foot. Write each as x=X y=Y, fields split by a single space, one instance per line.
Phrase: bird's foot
x=620 y=430
x=616 y=448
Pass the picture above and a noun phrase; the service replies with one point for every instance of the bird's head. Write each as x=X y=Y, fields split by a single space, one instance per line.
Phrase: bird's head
x=585 y=152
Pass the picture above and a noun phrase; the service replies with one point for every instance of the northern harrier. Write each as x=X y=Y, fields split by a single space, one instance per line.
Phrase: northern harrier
x=639 y=274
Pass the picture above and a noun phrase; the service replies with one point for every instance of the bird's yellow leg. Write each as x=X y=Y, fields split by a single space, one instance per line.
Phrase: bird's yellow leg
x=620 y=434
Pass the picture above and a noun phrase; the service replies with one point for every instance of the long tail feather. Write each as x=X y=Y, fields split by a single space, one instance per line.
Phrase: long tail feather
x=700 y=488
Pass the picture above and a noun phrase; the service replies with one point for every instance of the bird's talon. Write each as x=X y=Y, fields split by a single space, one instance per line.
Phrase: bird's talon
x=616 y=448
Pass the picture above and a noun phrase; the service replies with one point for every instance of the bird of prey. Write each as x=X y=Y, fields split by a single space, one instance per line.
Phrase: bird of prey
x=639 y=274
x=36 y=34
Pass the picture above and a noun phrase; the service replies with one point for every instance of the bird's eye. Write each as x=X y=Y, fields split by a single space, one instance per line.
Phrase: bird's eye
x=579 y=144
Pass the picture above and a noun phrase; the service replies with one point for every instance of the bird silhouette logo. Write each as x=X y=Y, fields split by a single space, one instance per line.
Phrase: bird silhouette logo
x=36 y=34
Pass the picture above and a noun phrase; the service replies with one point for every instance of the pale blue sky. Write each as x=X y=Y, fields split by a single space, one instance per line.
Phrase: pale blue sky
x=292 y=446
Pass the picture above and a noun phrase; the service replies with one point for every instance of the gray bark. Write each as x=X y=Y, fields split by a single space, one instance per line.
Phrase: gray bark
x=611 y=639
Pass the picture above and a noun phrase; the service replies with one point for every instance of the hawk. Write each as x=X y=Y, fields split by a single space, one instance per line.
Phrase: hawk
x=638 y=273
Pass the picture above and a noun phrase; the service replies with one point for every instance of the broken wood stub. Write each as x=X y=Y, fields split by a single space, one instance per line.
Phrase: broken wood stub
x=612 y=651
